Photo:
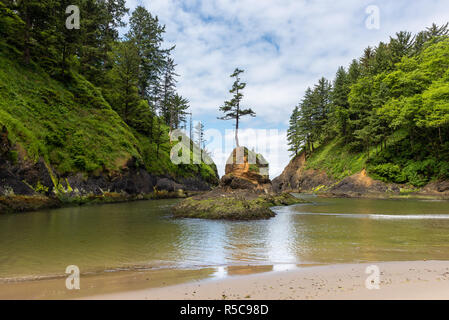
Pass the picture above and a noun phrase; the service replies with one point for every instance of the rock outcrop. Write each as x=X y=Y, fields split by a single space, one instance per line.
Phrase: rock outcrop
x=246 y=170
x=26 y=185
x=296 y=177
x=245 y=192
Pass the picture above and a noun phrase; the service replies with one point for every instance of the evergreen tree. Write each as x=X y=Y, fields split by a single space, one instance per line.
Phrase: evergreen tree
x=199 y=133
x=401 y=46
x=123 y=77
x=340 y=92
x=367 y=62
x=232 y=108
x=112 y=13
x=146 y=32
x=323 y=109
x=39 y=17
x=306 y=125
x=179 y=105
x=168 y=87
x=354 y=72
x=293 y=132
x=11 y=26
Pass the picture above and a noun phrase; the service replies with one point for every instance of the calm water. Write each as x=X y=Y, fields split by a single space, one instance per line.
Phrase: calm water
x=143 y=235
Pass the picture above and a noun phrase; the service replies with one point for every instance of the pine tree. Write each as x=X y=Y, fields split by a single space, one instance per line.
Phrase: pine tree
x=401 y=45
x=340 y=101
x=11 y=26
x=367 y=62
x=123 y=93
x=293 y=133
x=306 y=122
x=168 y=87
x=146 y=32
x=112 y=12
x=354 y=72
x=38 y=17
x=232 y=108
x=179 y=105
x=199 y=133
x=323 y=108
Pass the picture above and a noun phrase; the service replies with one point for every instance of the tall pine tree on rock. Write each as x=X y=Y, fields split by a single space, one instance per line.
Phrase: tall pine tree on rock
x=232 y=108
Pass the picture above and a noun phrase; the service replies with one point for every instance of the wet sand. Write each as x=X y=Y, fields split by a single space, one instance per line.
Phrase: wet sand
x=398 y=280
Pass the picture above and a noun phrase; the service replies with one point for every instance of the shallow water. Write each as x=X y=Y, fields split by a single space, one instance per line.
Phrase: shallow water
x=143 y=235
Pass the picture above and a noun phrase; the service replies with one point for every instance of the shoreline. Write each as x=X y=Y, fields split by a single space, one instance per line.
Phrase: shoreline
x=398 y=280
x=17 y=204
x=22 y=204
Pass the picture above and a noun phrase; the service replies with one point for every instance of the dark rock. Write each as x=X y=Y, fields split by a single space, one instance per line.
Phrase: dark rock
x=168 y=185
x=296 y=177
x=238 y=205
x=236 y=183
x=9 y=183
x=194 y=184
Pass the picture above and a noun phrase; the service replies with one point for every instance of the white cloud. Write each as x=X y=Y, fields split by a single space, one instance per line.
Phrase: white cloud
x=272 y=144
x=283 y=45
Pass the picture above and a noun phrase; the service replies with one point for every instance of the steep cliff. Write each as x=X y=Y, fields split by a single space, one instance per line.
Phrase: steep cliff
x=64 y=139
x=298 y=176
x=244 y=193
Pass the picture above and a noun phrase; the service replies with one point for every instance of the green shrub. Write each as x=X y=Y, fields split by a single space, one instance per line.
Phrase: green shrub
x=13 y=156
x=387 y=172
x=443 y=172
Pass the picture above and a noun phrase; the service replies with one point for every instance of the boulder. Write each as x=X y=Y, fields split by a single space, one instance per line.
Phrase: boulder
x=244 y=193
x=246 y=169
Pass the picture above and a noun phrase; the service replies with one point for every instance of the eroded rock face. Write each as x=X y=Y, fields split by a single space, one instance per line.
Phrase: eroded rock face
x=246 y=170
x=24 y=177
x=360 y=184
x=233 y=205
x=297 y=178
x=245 y=192
x=437 y=188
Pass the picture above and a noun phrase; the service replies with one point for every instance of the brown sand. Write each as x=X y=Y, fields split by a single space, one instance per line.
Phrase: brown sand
x=398 y=280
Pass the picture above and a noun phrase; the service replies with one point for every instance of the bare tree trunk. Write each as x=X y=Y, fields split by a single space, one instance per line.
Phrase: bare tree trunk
x=237 y=124
x=237 y=133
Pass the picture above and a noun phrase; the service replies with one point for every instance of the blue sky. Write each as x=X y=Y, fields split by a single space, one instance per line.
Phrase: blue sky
x=284 y=46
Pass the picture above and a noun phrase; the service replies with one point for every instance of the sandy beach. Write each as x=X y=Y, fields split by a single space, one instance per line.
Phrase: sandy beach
x=398 y=280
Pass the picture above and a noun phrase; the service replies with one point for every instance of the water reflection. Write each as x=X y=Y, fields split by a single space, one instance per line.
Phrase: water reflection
x=143 y=235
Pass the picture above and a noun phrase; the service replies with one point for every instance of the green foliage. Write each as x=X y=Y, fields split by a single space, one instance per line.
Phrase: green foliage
x=58 y=123
x=388 y=172
x=85 y=100
x=389 y=112
x=337 y=159
x=232 y=109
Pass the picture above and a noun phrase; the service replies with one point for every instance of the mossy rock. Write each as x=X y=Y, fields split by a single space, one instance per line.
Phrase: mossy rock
x=233 y=207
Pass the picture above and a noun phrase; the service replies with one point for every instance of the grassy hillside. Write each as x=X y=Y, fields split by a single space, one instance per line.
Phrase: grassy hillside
x=388 y=114
x=393 y=163
x=340 y=161
x=72 y=127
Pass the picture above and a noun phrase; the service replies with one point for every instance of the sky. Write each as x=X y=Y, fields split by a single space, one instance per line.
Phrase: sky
x=284 y=46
